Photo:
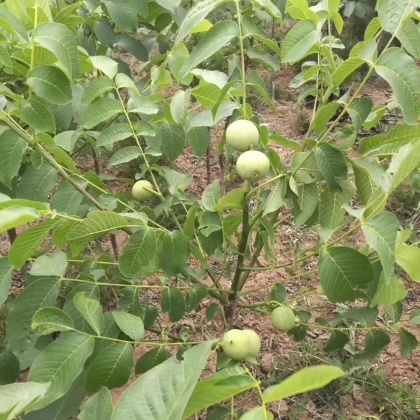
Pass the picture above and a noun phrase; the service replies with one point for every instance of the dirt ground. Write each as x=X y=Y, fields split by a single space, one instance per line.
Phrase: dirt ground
x=279 y=352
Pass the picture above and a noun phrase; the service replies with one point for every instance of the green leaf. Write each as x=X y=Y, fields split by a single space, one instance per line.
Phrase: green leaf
x=67 y=199
x=199 y=139
x=207 y=94
x=132 y=46
x=403 y=75
x=255 y=81
x=49 y=320
x=97 y=407
x=12 y=148
x=278 y=293
x=123 y=14
x=179 y=105
x=341 y=271
x=173 y=140
x=392 y=13
x=63 y=158
x=5 y=58
x=60 y=364
x=174 y=253
x=250 y=29
x=139 y=252
x=408 y=35
x=151 y=359
x=332 y=164
x=258 y=413
x=110 y=368
x=381 y=234
x=50 y=265
x=6 y=270
x=50 y=83
x=345 y=69
x=100 y=111
x=389 y=291
x=66 y=407
x=368 y=177
x=195 y=15
x=20 y=202
x=173 y=303
x=337 y=341
x=97 y=88
x=305 y=168
x=91 y=310
x=211 y=311
x=331 y=211
x=67 y=139
x=129 y=324
x=263 y=58
x=299 y=10
x=196 y=294
x=211 y=42
x=375 y=342
x=408 y=257
x=394 y=312
x=415 y=317
x=91 y=290
x=105 y=32
x=285 y=142
x=307 y=202
x=16 y=216
x=9 y=366
x=106 y=65
x=211 y=195
x=299 y=41
x=124 y=155
x=390 y=144
x=324 y=115
x=232 y=200
x=141 y=105
x=60 y=40
x=15 y=398
x=408 y=342
x=37 y=114
x=165 y=390
x=276 y=197
x=222 y=386
x=114 y=133
x=27 y=243
x=39 y=294
x=359 y=111
x=13 y=25
x=96 y=224
x=307 y=379
x=36 y=183
x=403 y=163
x=365 y=316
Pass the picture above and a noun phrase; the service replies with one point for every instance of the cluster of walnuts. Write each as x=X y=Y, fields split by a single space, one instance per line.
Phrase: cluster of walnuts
x=246 y=344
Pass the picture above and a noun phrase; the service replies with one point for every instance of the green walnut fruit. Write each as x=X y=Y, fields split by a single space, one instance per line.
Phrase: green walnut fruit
x=252 y=165
x=141 y=191
x=242 y=134
x=283 y=318
x=236 y=344
x=254 y=343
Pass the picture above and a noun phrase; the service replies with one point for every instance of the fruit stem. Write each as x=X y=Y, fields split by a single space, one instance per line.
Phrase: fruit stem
x=257 y=252
x=242 y=52
x=243 y=243
x=258 y=386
